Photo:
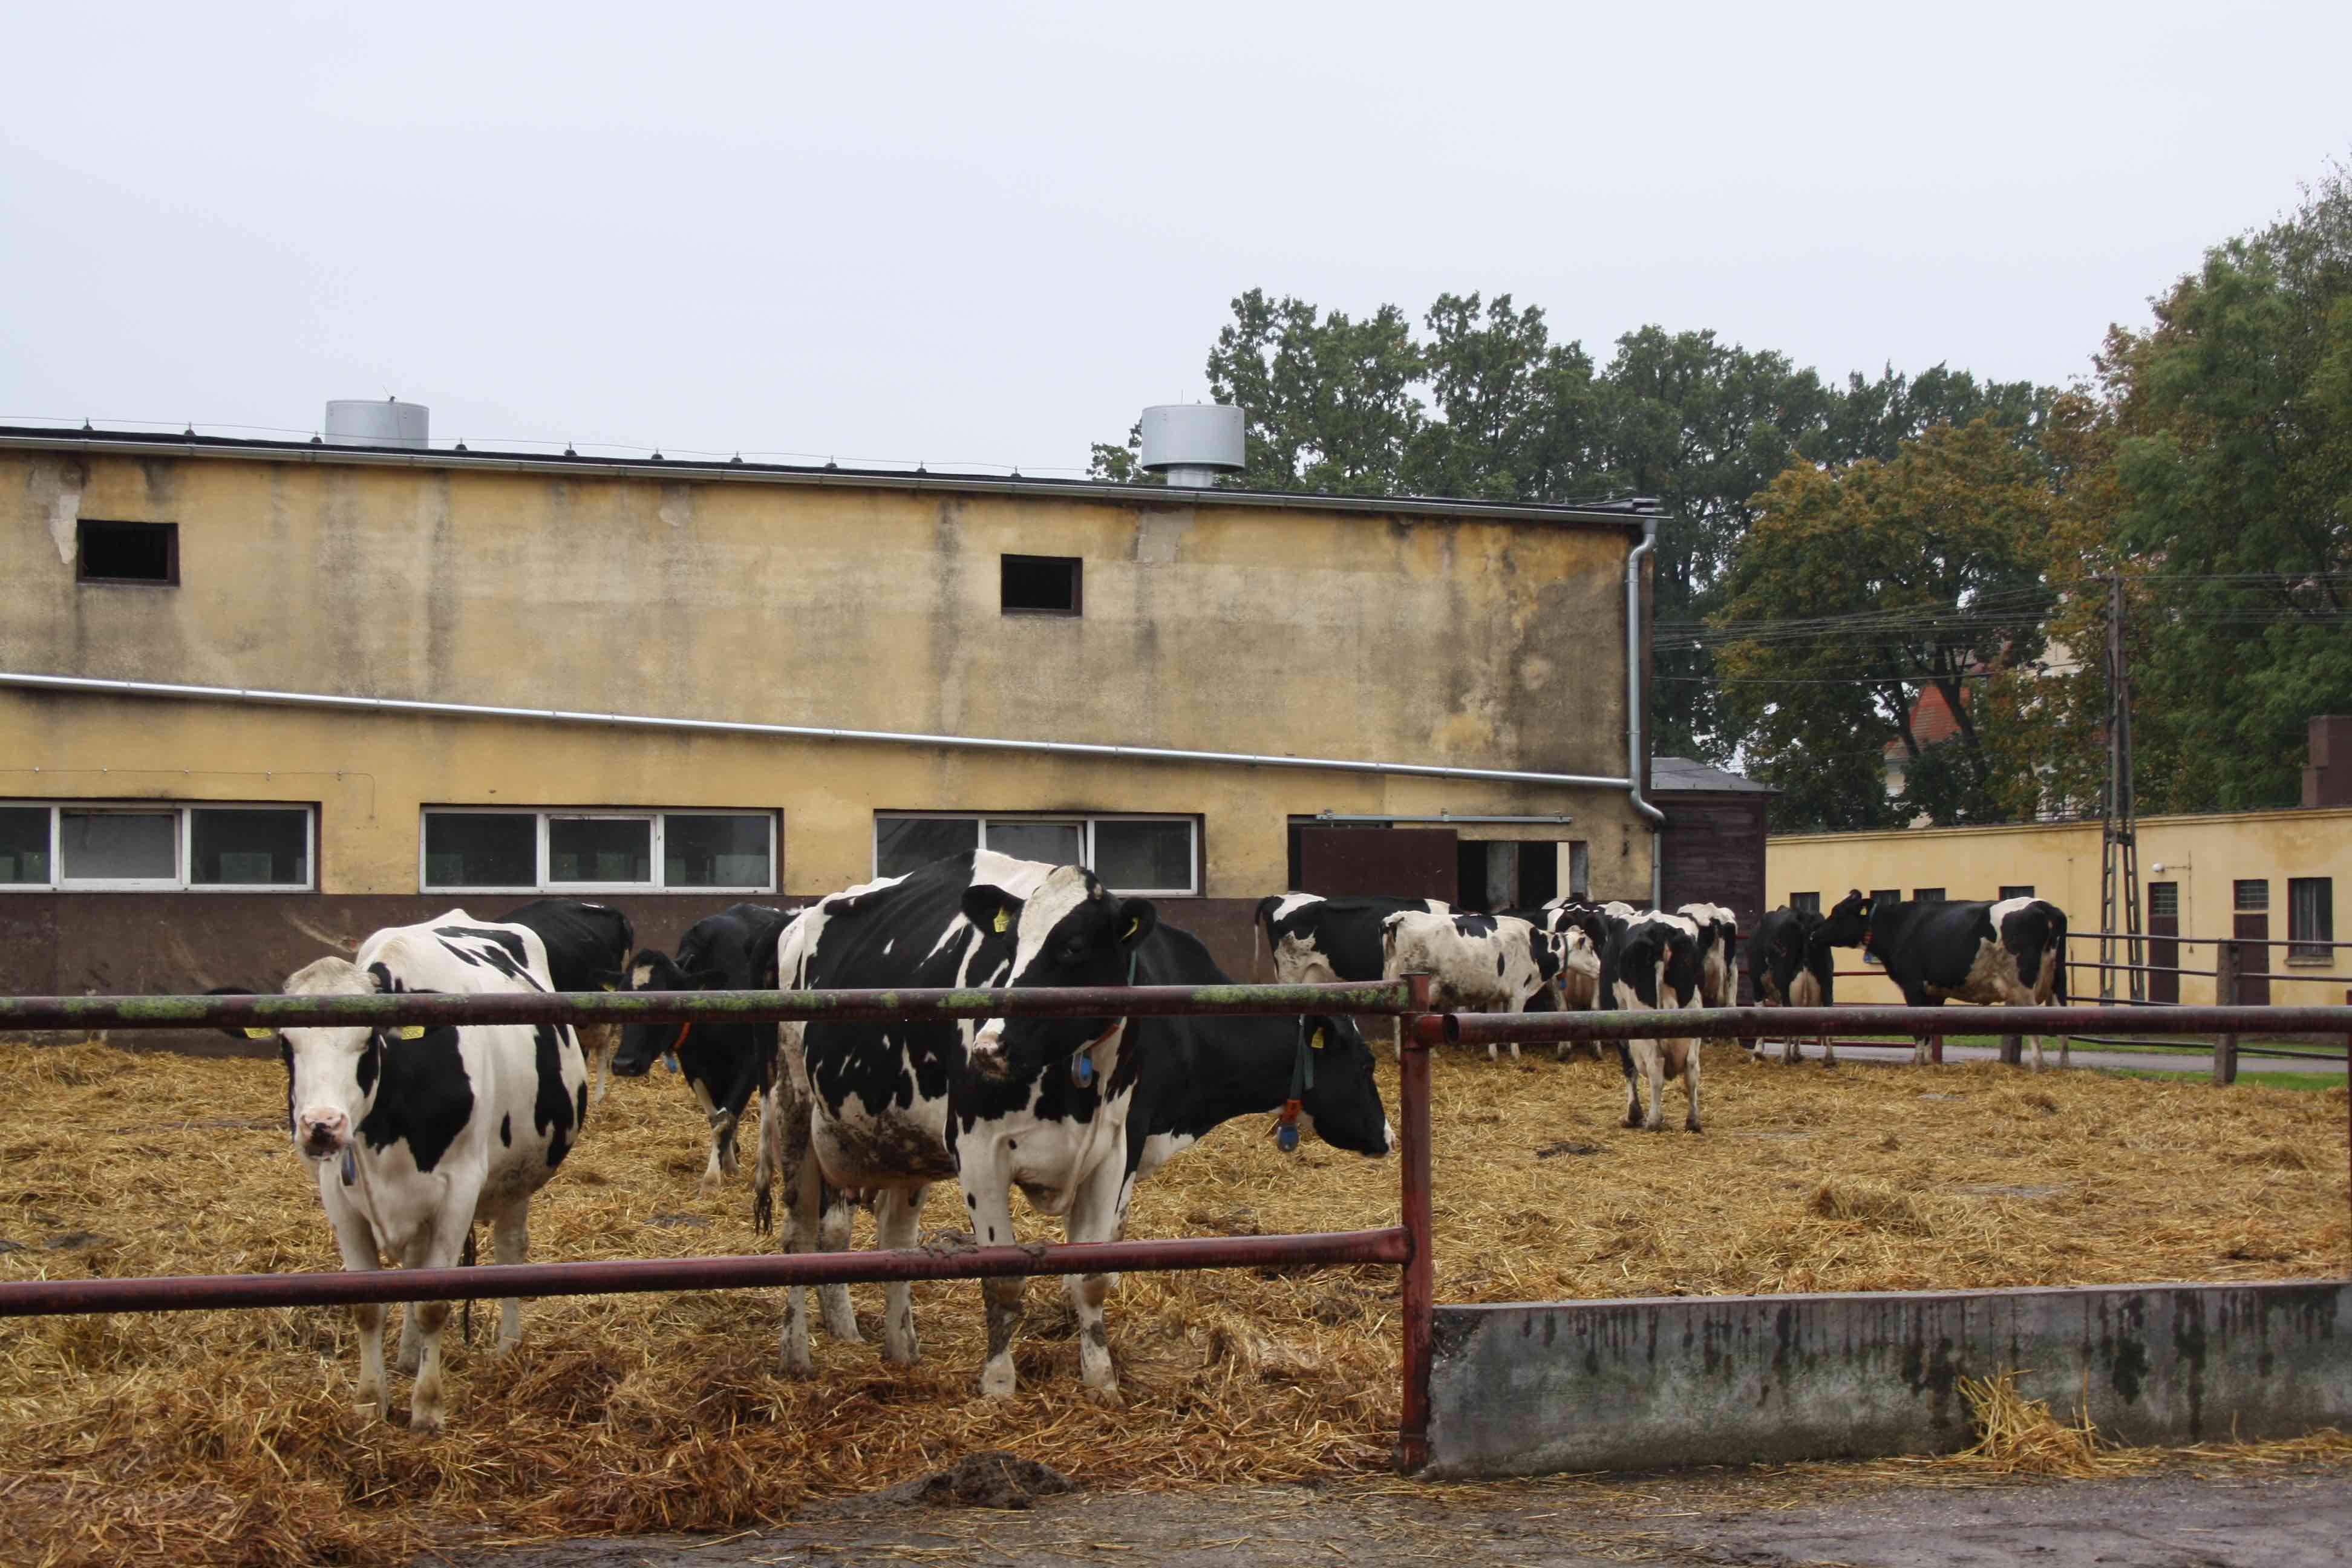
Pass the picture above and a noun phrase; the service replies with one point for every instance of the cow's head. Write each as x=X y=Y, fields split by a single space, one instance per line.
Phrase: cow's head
x=1549 y=950
x=1072 y=930
x=331 y=1071
x=1343 y=1101
x=644 y=1044
x=1848 y=922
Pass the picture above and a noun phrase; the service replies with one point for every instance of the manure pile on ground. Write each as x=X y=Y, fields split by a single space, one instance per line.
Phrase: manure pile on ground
x=230 y=1437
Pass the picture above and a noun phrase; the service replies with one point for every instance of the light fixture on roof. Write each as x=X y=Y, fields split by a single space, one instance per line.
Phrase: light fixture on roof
x=377 y=422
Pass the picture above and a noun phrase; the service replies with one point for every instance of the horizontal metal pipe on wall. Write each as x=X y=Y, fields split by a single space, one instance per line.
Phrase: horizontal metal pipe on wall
x=92 y=684
x=204 y=1292
x=236 y=1012
x=1480 y=1029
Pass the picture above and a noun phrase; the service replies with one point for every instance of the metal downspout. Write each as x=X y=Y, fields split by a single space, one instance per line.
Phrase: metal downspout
x=1634 y=737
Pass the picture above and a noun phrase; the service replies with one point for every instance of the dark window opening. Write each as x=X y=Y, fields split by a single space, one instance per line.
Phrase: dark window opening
x=2310 y=918
x=24 y=844
x=1539 y=874
x=1805 y=903
x=127 y=552
x=2163 y=900
x=2252 y=896
x=1579 y=869
x=1041 y=584
x=1927 y=895
x=2024 y=890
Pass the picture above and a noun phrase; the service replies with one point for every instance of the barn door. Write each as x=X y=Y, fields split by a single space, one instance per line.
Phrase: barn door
x=2252 y=931
x=2163 y=950
x=1380 y=862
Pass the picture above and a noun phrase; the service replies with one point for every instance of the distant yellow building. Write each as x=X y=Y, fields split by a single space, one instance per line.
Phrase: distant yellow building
x=2261 y=875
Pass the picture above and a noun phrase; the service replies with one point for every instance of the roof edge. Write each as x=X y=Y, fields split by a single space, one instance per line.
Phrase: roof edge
x=1630 y=514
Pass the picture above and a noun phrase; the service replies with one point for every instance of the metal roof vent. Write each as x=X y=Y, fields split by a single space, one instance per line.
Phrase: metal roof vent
x=357 y=422
x=1192 y=445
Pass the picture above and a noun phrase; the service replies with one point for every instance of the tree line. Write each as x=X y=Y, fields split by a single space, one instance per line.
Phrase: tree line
x=1832 y=553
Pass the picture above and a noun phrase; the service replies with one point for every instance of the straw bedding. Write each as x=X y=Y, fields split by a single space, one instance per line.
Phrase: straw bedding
x=230 y=1437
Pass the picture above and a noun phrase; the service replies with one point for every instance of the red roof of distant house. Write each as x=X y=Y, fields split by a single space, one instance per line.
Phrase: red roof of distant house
x=1932 y=720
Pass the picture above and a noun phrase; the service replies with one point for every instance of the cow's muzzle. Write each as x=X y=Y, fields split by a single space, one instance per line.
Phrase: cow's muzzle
x=987 y=1055
x=322 y=1134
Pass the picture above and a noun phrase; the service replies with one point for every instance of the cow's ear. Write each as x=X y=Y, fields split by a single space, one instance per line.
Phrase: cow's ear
x=991 y=908
x=235 y=1031
x=1136 y=920
x=706 y=980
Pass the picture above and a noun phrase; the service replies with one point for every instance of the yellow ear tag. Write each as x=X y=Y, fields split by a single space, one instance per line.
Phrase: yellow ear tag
x=1002 y=919
x=1132 y=926
x=409 y=1032
x=610 y=986
x=261 y=1034
x=1316 y=1043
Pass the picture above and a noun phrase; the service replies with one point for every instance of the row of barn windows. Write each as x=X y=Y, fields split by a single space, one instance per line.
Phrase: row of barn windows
x=2310 y=908
x=135 y=847
x=148 y=554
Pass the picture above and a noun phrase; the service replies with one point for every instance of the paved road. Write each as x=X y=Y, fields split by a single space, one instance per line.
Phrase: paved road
x=2086 y=1057
x=2237 y=1518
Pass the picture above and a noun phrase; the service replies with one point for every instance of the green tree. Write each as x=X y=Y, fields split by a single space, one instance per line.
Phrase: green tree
x=1858 y=587
x=2233 y=465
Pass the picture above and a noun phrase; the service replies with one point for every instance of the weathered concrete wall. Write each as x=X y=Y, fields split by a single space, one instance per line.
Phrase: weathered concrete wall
x=1622 y=1385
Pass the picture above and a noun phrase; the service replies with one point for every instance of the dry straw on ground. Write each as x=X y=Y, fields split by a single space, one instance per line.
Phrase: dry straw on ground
x=230 y=1438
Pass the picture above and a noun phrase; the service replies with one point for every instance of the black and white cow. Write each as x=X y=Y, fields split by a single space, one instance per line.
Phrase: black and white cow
x=1652 y=962
x=2011 y=952
x=1073 y=1111
x=1476 y=963
x=415 y=1134
x=1583 y=931
x=1793 y=963
x=723 y=1064
x=1316 y=941
x=588 y=947
x=1719 y=954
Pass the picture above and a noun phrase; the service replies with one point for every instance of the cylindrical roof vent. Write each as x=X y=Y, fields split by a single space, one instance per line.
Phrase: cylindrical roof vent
x=1192 y=445
x=365 y=422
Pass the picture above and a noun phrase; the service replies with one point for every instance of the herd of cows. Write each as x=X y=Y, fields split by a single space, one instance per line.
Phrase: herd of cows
x=418 y=1134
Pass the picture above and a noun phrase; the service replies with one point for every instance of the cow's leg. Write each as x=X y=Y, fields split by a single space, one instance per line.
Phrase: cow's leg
x=1690 y=1086
x=357 y=1244
x=1655 y=1069
x=896 y=1217
x=987 y=1183
x=832 y=1235
x=1633 y=1095
x=597 y=1043
x=1097 y=1213
x=437 y=1248
x=510 y=1243
x=799 y=1193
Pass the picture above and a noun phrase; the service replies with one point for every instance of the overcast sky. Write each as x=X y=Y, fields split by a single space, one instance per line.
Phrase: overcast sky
x=989 y=233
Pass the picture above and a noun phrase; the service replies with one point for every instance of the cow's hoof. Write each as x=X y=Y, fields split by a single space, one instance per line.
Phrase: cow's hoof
x=1691 y=1124
x=408 y=1362
x=505 y=1347
x=422 y=1420
x=995 y=1384
x=1107 y=1395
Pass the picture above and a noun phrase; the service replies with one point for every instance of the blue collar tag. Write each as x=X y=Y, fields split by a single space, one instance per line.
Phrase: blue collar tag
x=351 y=1166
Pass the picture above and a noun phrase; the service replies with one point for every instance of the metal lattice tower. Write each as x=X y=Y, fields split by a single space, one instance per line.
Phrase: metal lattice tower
x=2119 y=823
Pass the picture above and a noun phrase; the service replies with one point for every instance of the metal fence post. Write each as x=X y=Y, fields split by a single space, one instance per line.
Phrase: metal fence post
x=2226 y=961
x=1936 y=1049
x=2012 y=1050
x=1420 y=1282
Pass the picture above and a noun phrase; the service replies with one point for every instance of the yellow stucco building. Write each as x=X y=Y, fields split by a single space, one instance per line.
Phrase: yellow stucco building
x=253 y=693
x=2259 y=875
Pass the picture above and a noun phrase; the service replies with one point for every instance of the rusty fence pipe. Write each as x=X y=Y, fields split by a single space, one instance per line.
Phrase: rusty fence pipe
x=917 y=1005
x=204 y=1292
x=1419 y=1286
x=1482 y=1028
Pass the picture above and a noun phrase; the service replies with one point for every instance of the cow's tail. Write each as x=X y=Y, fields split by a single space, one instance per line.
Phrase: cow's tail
x=466 y=1256
x=1262 y=932
x=2055 y=956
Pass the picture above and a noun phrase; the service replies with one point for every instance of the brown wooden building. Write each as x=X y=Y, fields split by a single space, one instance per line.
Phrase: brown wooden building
x=1712 y=851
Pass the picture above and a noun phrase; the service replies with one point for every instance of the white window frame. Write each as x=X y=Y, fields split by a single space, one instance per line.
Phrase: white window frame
x=1085 y=822
x=657 y=815
x=184 y=846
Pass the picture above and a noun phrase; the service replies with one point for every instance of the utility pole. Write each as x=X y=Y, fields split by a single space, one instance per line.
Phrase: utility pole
x=2119 y=823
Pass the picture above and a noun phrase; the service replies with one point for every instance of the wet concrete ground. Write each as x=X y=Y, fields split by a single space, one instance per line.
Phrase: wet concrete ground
x=2242 y=1518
